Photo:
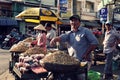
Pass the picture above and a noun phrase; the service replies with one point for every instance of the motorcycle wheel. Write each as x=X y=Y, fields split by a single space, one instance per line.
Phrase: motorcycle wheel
x=3 y=45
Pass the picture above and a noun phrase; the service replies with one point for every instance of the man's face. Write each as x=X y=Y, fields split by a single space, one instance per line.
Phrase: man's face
x=75 y=23
x=108 y=27
x=47 y=28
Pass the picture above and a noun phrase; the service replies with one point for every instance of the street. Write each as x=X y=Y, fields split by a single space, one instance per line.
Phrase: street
x=4 y=60
x=4 y=64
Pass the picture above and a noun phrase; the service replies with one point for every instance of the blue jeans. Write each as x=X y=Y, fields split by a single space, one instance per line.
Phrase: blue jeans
x=108 y=64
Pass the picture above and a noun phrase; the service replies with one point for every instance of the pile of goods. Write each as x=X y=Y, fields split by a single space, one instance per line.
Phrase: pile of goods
x=20 y=47
x=59 y=61
x=34 y=50
x=29 y=59
x=29 y=39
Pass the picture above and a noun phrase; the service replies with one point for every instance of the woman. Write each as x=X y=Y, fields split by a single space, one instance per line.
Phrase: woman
x=41 y=36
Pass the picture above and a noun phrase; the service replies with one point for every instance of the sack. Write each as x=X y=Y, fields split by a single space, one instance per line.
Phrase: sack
x=93 y=75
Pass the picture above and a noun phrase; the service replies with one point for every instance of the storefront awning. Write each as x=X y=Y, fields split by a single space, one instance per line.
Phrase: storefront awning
x=88 y=23
x=7 y=22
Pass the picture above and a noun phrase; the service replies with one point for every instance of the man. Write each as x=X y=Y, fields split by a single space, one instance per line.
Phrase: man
x=81 y=41
x=50 y=34
x=109 y=43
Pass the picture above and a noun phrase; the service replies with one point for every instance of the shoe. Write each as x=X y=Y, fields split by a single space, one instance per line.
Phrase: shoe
x=107 y=76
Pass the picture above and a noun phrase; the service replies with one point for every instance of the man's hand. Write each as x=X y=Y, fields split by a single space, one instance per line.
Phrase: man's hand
x=52 y=42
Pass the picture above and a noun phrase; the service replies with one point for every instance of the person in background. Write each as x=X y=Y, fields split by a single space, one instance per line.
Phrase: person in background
x=41 y=37
x=15 y=36
x=81 y=41
x=51 y=33
x=29 y=33
x=14 y=33
x=109 y=44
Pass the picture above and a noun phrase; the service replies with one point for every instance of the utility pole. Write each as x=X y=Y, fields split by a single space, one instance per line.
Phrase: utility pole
x=74 y=7
x=58 y=7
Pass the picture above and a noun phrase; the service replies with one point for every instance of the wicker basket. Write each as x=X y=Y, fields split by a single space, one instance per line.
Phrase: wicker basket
x=59 y=61
x=20 y=47
x=60 y=67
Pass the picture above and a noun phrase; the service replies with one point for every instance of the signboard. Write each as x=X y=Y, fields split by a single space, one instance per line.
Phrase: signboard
x=103 y=14
x=117 y=10
x=63 y=9
x=103 y=11
x=63 y=1
x=63 y=6
x=116 y=18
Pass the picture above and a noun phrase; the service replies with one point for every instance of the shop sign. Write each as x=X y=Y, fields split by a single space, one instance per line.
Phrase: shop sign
x=7 y=22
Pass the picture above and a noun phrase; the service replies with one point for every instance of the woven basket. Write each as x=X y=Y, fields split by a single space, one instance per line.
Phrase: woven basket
x=60 y=67
x=59 y=61
x=20 y=47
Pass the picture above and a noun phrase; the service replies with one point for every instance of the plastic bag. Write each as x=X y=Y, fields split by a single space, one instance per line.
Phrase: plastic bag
x=93 y=75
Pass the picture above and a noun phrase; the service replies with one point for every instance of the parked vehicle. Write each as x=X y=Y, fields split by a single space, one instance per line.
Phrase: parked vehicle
x=8 y=42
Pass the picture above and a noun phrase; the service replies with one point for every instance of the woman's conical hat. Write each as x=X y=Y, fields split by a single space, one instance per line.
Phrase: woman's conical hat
x=39 y=27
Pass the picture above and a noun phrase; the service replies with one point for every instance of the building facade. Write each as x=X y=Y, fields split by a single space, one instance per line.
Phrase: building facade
x=7 y=21
x=87 y=9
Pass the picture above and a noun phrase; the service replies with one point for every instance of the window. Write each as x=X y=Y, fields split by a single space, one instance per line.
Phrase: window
x=5 y=11
x=90 y=6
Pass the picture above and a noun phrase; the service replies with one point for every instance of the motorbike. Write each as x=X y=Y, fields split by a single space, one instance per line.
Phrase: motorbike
x=8 y=42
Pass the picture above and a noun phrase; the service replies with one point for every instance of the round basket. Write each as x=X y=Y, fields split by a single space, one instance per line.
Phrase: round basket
x=60 y=67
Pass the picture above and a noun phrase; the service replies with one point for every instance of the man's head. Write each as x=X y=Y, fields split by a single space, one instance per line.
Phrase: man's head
x=74 y=22
x=48 y=26
x=77 y=17
x=108 y=25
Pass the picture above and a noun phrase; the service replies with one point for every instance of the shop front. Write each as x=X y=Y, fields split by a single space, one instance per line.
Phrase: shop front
x=6 y=24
